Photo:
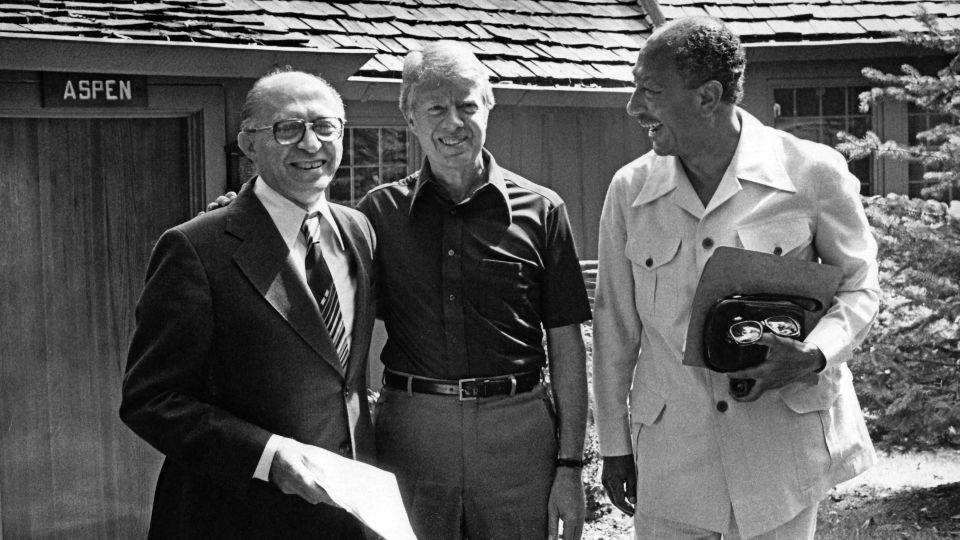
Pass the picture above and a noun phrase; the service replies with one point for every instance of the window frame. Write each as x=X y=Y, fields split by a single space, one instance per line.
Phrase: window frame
x=412 y=151
x=876 y=116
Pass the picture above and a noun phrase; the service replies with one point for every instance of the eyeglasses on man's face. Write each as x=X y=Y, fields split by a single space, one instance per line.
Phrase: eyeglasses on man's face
x=291 y=131
x=749 y=332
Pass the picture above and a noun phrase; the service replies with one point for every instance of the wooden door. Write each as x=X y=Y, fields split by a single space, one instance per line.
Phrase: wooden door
x=82 y=200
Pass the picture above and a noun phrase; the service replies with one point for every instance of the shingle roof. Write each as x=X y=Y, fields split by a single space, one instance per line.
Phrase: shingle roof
x=540 y=42
x=566 y=43
x=814 y=20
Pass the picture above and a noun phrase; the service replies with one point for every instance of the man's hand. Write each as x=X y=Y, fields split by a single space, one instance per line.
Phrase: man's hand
x=619 y=479
x=566 y=504
x=290 y=472
x=787 y=360
x=221 y=201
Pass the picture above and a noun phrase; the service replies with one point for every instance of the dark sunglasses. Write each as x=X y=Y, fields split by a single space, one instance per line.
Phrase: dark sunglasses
x=749 y=332
x=291 y=131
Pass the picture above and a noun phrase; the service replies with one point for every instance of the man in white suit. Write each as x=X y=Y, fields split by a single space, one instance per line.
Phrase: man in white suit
x=695 y=461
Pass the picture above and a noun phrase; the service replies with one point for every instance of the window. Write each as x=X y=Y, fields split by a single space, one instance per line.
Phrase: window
x=818 y=113
x=371 y=156
x=920 y=120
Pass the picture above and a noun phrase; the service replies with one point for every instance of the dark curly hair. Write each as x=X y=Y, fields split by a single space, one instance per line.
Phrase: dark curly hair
x=705 y=49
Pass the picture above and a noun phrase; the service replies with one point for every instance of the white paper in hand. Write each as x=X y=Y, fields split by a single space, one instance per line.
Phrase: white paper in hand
x=369 y=493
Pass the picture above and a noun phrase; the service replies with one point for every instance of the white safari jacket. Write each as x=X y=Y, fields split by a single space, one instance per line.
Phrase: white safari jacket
x=767 y=459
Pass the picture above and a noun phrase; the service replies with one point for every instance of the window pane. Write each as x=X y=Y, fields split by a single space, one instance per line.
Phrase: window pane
x=861 y=169
x=373 y=156
x=830 y=128
x=339 y=190
x=808 y=102
x=784 y=98
x=834 y=101
x=853 y=98
x=915 y=124
x=392 y=174
x=916 y=173
x=347 y=157
x=365 y=146
x=859 y=125
x=365 y=178
x=394 y=143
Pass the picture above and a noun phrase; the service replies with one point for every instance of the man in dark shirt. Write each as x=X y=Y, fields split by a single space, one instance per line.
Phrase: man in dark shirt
x=474 y=263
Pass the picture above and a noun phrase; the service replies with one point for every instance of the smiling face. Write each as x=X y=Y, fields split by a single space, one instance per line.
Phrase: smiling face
x=664 y=106
x=300 y=172
x=449 y=119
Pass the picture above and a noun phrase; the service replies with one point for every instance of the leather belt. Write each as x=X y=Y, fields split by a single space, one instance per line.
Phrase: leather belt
x=466 y=389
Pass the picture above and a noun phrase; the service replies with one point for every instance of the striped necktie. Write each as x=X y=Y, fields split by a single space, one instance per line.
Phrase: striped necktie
x=323 y=288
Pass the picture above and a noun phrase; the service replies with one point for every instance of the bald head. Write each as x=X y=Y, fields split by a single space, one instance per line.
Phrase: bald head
x=284 y=81
x=703 y=49
x=442 y=62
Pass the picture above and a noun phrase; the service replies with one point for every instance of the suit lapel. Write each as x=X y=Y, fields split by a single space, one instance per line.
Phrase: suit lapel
x=264 y=259
x=356 y=243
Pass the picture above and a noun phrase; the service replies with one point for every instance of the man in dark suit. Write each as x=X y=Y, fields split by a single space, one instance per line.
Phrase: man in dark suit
x=252 y=336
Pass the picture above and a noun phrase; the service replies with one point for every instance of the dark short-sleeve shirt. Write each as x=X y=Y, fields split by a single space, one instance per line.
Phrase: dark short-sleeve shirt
x=466 y=289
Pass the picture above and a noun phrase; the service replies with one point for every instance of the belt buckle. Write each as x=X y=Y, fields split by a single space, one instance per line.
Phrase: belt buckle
x=469 y=393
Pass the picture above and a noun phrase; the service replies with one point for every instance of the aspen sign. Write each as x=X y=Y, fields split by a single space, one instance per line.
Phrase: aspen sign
x=93 y=90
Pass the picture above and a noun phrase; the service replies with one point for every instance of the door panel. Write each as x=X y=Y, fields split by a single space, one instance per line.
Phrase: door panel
x=89 y=198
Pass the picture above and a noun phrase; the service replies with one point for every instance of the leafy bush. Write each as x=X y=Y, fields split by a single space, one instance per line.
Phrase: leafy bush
x=907 y=371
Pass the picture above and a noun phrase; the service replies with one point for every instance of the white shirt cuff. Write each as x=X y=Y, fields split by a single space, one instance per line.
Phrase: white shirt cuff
x=262 y=472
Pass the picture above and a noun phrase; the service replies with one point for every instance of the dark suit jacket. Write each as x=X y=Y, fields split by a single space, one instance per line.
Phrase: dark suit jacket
x=229 y=348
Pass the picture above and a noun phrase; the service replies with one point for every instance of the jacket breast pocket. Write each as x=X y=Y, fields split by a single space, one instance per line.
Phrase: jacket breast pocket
x=780 y=237
x=654 y=278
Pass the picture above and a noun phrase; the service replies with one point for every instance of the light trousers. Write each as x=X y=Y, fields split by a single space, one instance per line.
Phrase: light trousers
x=470 y=469
x=801 y=527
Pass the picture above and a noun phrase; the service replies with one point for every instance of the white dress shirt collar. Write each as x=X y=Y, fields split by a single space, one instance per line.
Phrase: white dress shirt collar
x=751 y=162
x=288 y=217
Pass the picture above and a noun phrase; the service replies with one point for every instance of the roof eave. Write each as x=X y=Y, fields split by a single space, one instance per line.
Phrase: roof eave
x=847 y=49
x=143 y=57
x=386 y=89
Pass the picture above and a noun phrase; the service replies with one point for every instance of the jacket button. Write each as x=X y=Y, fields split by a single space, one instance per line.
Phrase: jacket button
x=722 y=406
x=707 y=243
x=346 y=391
x=345 y=449
x=648 y=262
x=777 y=250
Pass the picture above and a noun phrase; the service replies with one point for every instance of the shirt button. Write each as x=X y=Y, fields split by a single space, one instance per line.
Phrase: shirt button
x=648 y=262
x=707 y=243
x=777 y=250
x=451 y=253
x=722 y=406
x=452 y=297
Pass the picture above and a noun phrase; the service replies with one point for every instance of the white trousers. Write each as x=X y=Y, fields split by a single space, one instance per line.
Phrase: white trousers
x=801 y=527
